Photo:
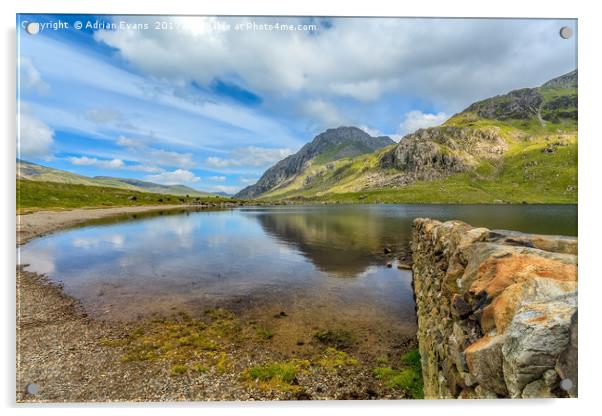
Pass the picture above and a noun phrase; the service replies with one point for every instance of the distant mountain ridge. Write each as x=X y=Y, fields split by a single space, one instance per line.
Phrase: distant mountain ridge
x=333 y=144
x=516 y=147
x=35 y=172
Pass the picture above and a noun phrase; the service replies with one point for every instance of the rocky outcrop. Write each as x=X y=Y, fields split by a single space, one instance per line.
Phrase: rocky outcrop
x=568 y=80
x=497 y=311
x=333 y=143
x=517 y=104
x=530 y=103
x=438 y=152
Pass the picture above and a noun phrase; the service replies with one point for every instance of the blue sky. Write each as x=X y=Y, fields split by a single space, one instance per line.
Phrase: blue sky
x=211 y=102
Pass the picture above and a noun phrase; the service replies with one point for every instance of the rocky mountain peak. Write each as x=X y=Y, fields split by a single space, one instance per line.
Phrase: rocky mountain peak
x=332 y=144
x=564 y=81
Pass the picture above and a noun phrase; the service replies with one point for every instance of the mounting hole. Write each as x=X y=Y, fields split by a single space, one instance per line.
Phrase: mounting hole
x=566 y=384
x=32 y=28
x=32 y=388
x=566 y=32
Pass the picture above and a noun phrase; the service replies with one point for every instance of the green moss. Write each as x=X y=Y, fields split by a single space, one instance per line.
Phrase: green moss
x=336 y=338
x=284 y=372
x=113 y=342
x=179 y=369
x=197 y=340
x=412 y=359
x=408 y=377
x=333 y=359
x=223 y=362
x=277 y=375
x=200 y=368
x=382 y=360
x=182 y=340
x=264 y=332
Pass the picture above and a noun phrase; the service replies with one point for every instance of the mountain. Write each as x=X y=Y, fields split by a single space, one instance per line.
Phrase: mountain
x=331 y=145
x=39 y=173
x=516 y=147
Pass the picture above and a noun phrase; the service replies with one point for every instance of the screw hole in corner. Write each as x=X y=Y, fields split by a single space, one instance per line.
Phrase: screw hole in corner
x=566 y=32
x=32 y=388
x=566 y=384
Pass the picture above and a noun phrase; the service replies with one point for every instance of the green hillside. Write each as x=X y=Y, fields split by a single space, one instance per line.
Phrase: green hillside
x=35 y=172
x=36 y=195
x=516 y=148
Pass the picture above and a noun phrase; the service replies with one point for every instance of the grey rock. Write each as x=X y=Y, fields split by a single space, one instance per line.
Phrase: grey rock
x=535 y=338
x=517 y=104
x=567 y=364
x=569 y=80
x=485 y=362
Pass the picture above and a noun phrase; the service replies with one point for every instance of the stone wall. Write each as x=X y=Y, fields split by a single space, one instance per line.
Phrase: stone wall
x=497 y=311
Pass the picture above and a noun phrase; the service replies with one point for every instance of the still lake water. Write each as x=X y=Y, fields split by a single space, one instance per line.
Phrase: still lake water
x=323 y=265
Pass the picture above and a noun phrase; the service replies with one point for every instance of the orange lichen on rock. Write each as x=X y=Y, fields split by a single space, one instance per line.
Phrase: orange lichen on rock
x=496 y=274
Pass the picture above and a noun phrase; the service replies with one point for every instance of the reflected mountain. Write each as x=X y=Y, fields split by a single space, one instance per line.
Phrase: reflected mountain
x=339 y=241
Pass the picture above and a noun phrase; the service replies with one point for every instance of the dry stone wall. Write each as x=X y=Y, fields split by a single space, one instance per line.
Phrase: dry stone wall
x=497 y=311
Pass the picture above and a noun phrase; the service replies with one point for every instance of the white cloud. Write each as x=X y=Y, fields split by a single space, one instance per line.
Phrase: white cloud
x=223 y=188
x=323 y=111
x=372 y=132
x=249 y=156
x=143 y=168
x=34 y=138
x=247 y=181
x=169 y=158
x=176 y=177
x=415 y=120
x=364 y=91
x=92 y=161
x=127 y=142
x=103 y=115
x=157 y=156
x=217 y=178
x=29 y=76
x=112 y=164
x=453 y=60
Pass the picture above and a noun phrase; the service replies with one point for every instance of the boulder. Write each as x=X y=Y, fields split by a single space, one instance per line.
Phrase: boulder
x=534 y=340
x=485 y=361
x=542 y=388
x=494 y=267
x=502 y=309
x=566 y=366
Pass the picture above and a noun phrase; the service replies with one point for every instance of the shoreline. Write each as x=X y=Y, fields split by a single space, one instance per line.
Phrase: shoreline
x=78 y=358
x=39 y=223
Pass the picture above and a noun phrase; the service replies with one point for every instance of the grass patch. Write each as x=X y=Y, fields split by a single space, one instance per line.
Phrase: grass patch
x=335 y=338
x=179 y=369
x=264 y=333
x=408 y=377
x=333 y=359
x=183 y=340
x=277 y=375
x=200 y=368
x=223 y=362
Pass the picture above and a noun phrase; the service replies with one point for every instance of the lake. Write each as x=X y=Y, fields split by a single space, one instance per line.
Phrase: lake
x=299 y=268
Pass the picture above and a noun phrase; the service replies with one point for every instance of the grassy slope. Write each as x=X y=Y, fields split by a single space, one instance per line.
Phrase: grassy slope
x=40 y=173
x=527 y=174
x=34 y=196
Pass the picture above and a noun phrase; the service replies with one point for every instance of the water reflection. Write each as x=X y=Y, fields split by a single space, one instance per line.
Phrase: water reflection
x=346 y=240
x=258 y=259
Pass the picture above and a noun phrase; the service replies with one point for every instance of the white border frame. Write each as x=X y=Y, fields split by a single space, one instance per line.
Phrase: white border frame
x=590 y=152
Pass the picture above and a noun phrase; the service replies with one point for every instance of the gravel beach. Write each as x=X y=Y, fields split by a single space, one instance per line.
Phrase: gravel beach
x=71 y=357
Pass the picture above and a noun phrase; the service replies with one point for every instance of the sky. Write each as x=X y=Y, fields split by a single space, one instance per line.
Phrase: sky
x=212 y=102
